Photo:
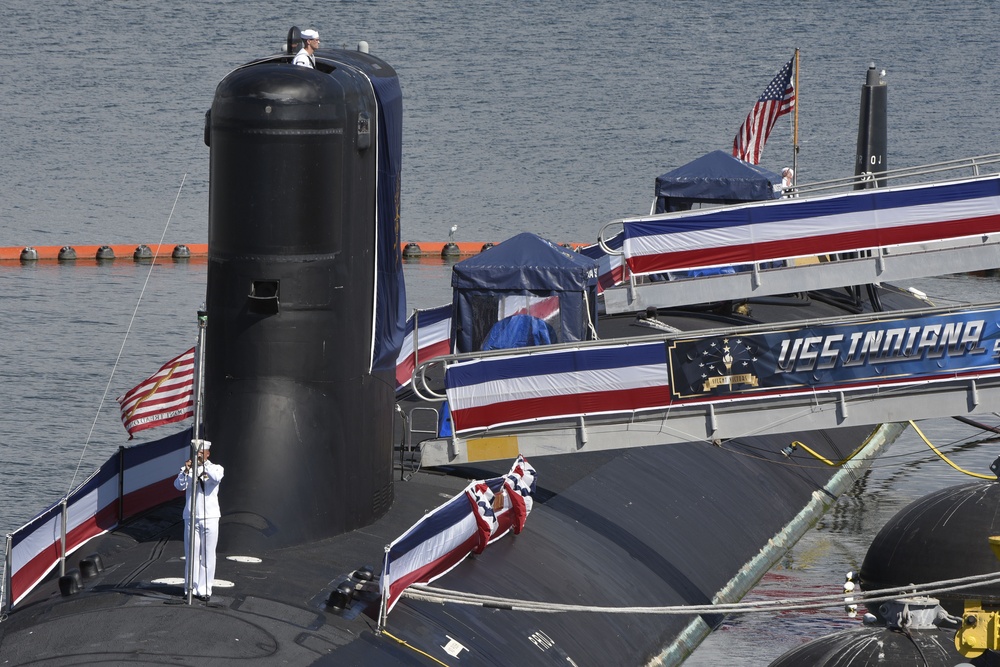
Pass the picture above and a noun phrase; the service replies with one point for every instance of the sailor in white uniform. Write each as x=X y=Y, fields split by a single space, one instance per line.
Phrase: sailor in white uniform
x=310 y=42
x=207 y=515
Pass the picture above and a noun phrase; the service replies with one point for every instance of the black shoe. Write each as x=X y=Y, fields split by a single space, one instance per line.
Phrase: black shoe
x=204 y=598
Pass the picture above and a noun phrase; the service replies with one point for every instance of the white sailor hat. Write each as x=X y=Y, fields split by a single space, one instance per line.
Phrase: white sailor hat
x=309 y=34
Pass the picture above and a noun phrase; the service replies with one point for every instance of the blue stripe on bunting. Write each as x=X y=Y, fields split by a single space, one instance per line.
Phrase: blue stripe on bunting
x=146 y=452
x=446 y=516
x=813 y=208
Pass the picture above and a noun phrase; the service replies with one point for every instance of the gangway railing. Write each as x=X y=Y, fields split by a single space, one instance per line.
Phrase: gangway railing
x=718 y=384
x=811 y=242
x=415 y=430
x=962 y=168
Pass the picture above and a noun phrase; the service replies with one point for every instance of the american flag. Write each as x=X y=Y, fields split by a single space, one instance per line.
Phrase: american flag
x=165 y=397
x=777 y=100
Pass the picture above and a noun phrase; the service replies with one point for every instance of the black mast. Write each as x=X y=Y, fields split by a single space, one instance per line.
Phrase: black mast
x=872 y=130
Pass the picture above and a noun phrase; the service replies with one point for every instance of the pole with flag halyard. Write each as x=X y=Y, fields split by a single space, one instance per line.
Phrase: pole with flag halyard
x=383 y=610
x=197 y=446
x=795 y=124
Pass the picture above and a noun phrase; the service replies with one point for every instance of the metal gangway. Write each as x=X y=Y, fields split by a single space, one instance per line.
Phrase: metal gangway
x=866 y=369
x=955 y=228
x=778 y=378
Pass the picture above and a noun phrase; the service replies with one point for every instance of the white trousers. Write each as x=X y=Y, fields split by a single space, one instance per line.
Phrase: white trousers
x=206 y=537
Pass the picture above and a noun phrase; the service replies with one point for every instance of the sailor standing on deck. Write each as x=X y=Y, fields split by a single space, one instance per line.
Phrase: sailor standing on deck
x=310 y=42
x=207 y=515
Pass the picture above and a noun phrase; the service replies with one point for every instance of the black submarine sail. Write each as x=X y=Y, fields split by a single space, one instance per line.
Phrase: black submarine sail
x=305 y=297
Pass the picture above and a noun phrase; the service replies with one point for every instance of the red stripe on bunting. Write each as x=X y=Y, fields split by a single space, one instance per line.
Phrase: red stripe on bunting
x=431 y=570
x=404 y=370
x=813 y=245
x=41 y=563
x=31 y=572
x=548 y=407
x=149 y=496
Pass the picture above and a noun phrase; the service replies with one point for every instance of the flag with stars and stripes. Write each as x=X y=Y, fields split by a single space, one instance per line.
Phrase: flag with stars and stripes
x=777 y=100
x=165 y=397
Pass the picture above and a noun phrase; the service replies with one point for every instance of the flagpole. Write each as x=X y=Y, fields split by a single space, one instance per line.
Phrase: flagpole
x=196 y=447
x=795 y=125
x=5 y=594
x=384 y=582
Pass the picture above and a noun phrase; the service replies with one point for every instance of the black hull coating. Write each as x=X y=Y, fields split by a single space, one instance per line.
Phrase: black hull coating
x=879 y=646
x=301 y=426
x=944 y=535
x=653 y=526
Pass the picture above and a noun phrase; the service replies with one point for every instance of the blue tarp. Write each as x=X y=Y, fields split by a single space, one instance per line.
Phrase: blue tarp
x=519 y=331
x=716 y=178
x=524 y=275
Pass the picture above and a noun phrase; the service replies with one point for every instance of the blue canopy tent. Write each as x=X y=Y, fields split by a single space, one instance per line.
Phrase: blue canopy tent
x=716 y=178
x=524 y=291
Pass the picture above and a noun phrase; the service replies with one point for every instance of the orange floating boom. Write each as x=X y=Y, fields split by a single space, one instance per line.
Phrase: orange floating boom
x=200 y=250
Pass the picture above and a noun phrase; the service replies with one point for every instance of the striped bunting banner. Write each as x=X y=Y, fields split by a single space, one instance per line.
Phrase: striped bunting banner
x=428 y=335
x=521 y=388
x=790 y=228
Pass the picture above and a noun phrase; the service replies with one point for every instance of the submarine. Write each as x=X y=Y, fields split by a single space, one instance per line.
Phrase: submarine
x=305 y=308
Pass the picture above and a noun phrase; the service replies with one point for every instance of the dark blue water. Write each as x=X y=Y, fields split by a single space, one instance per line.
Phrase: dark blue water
x=531 y=116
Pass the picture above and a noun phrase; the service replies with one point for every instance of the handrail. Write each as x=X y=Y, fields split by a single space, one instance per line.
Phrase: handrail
x=873 y=178
x=601 y=241
x=419 y=372
x=817 y=188
x=52 y=553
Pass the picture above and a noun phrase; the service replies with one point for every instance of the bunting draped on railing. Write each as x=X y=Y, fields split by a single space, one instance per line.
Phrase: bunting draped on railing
x=519 y=388
x=610 y=268
x=788 y=228
x=144 y=474
x=483 y=513
x=428 y=335
x=709 y=367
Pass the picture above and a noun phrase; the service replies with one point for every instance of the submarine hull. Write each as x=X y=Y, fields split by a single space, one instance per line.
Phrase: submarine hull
x=296 y=406
x=944 y=535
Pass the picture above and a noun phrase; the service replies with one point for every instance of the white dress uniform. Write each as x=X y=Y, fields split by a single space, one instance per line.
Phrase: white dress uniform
x=305 y=59
x=207 y=515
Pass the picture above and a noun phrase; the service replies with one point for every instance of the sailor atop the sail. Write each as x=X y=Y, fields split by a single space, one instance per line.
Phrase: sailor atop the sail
x=788 y=182
x=207 y=515
x=310 y=42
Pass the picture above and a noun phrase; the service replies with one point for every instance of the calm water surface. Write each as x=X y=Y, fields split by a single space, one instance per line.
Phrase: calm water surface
x=544 y=117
